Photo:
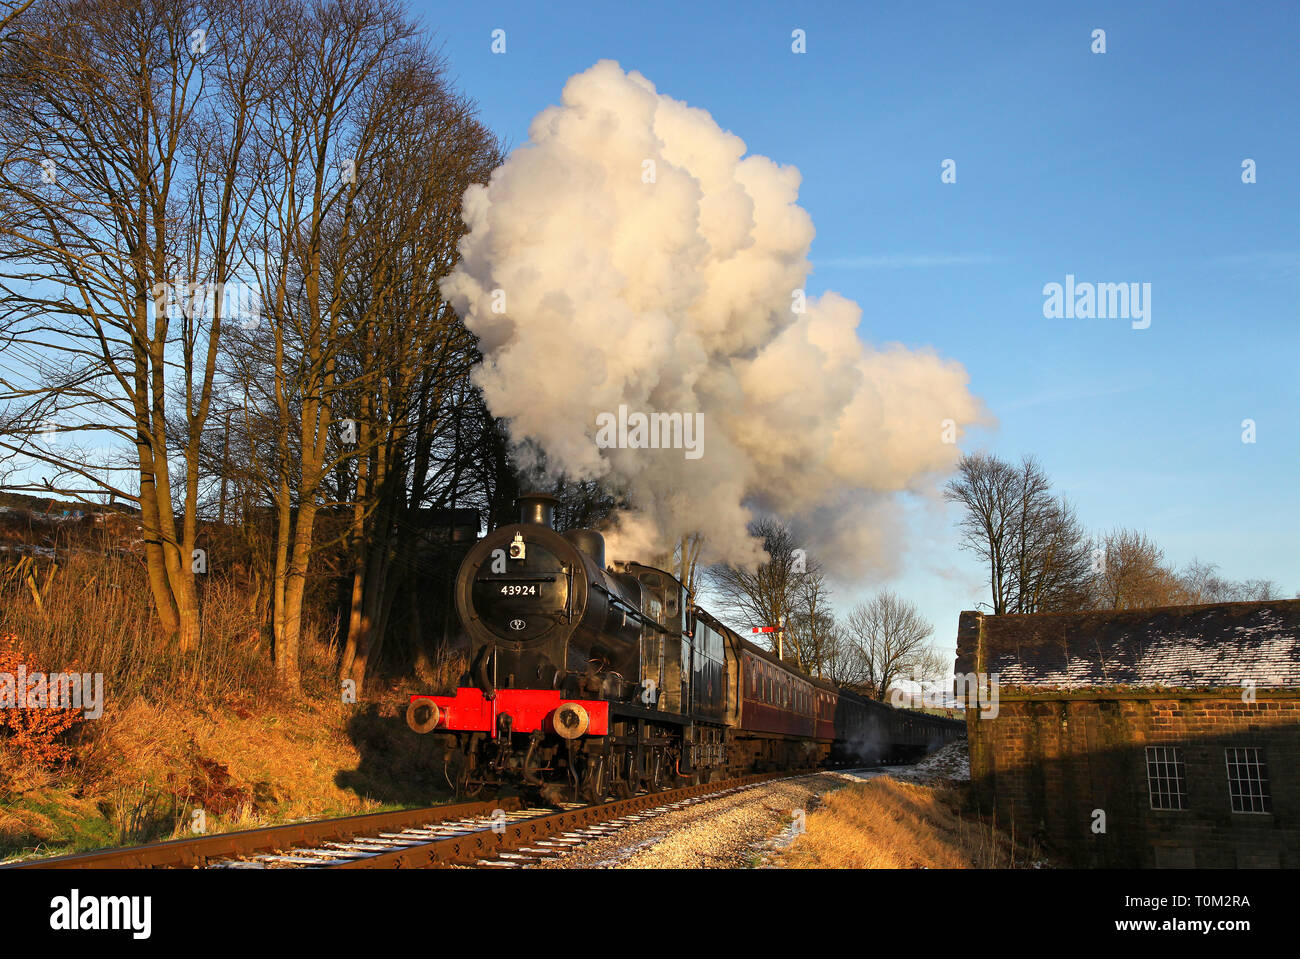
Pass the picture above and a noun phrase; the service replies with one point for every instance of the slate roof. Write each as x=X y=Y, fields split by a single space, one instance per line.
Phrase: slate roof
x=1216 y=645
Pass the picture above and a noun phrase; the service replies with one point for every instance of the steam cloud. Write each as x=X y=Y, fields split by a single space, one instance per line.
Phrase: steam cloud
x=678 y=295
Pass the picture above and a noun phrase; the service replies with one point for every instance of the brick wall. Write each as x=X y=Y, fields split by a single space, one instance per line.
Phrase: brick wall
x=1048 y=760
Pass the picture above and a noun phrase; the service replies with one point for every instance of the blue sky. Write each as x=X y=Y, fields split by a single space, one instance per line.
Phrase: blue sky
x=1115 y=167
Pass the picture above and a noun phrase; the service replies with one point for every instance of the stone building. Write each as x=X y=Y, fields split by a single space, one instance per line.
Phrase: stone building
x=1140 y=738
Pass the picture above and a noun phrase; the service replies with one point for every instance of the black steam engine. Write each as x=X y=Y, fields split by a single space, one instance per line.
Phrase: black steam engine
x=589 y=680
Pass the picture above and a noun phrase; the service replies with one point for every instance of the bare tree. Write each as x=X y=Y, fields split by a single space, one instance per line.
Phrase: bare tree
x=1133 y=574
x=339 y=80
x=1201 y=583
x=1037 y=555
x=843 y=662
x=1258 y=590
x=583 y=504
x=153 y=150
x=772 y=593
x=890 y=635
x=10 y=11
x=1054 y=559
x=414 y=353
x=123 y=134
x=811 y=630
x=985 y=487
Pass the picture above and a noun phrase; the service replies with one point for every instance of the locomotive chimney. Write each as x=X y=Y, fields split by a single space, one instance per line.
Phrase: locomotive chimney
x=538 y=508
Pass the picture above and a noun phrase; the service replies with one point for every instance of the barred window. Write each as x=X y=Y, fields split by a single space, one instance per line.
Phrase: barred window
x=1248 y=779
x=1166 y=778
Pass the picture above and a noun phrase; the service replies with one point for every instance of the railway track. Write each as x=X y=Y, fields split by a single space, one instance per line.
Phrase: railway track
x=496 y=833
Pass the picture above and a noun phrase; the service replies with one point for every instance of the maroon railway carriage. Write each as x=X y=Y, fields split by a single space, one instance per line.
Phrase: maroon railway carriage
x=778 y=716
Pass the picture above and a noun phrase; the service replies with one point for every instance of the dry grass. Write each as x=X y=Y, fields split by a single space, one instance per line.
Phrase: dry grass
x=94 y=610
x=211 y=731
x=149 y=766
x=886 y=824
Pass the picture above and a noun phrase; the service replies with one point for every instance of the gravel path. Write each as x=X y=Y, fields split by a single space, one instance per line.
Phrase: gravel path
x=730 y=832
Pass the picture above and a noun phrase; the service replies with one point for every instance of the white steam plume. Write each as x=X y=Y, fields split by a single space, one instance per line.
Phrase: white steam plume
x=630 y=253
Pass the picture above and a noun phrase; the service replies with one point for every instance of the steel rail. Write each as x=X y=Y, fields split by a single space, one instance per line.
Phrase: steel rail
x=198 y=852
x=464 y=849
x=470 y=849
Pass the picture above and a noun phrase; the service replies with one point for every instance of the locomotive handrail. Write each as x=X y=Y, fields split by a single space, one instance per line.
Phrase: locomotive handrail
x=506 y=578
x=617 y=602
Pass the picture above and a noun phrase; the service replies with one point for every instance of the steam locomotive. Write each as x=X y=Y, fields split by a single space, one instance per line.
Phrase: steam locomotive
x=588 y=681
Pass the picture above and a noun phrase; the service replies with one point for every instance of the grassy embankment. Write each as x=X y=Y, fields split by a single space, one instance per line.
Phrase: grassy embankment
x=210 y=731
x=887 y=824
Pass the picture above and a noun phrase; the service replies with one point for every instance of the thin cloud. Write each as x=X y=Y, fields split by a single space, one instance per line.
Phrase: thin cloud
x=1070 y=395
x=1287 y=263
x=917 y=261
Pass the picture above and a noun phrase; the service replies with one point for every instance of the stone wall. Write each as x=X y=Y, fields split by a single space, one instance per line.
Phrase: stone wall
x=1048 y=762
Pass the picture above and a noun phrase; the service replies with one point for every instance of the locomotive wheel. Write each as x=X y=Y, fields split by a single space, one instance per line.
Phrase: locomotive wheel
x=463 y=787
